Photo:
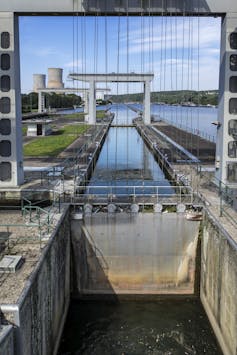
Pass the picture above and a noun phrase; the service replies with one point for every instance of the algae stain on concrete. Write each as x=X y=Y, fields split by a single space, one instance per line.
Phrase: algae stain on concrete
x=142 y=253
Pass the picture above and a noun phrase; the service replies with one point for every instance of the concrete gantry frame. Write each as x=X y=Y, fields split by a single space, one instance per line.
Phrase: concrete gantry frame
x=11 y=167
x=84 y=91
x=42 y=92
x=115 y=78
x=56 y=85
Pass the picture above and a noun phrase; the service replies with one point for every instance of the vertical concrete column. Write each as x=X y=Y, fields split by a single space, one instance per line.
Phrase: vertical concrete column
x=86 y=105
x=92 y=103
x=41 y=102
x=147 y=103
x=11 y=157
x=226 y=148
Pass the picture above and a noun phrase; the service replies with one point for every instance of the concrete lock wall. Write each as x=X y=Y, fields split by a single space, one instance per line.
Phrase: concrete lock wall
x=134 y=254
x=45 y=305
x=42 y=308
x=218 y=287
x=6 y=340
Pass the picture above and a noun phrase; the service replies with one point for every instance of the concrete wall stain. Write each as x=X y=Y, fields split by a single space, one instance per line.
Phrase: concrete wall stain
x=218 y=285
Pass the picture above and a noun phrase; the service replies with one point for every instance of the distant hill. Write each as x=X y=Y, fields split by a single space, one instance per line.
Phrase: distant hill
x=209 y=97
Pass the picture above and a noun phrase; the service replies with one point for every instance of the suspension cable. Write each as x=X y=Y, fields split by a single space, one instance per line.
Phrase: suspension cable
x=198 y=78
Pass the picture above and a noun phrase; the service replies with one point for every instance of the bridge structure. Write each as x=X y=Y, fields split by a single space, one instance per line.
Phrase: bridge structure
x=11 y=157
x=42 y=91
x=92 y=79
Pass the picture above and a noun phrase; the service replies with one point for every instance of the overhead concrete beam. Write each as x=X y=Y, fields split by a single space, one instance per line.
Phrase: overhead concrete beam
x=113 y=77
x=114 y=7
x=68 y=90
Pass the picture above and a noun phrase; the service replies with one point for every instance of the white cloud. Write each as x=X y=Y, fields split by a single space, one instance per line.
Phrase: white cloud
x=77 y=64
x=176 y=33
x=168 y=46
x=182 y=52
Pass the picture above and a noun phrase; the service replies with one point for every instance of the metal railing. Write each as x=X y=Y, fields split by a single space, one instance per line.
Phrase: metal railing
x=226 y=196
x=135 y=193
x=39 y=221
x=192 y=130
x=68 y=166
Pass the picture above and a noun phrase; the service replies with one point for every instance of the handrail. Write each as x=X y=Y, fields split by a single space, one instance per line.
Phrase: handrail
x=38 y=213
x=157 y=192
x=224 y=192
x=38 y=217
x=18 y=225
x=136 y=187
x=24 y=199
x=195 y=131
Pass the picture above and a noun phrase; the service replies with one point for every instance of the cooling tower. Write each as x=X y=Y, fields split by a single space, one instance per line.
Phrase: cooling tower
x=55 y=78
x=39 y=81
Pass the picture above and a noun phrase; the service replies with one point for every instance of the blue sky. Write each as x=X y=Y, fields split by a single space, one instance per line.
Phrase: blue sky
x=183 y=53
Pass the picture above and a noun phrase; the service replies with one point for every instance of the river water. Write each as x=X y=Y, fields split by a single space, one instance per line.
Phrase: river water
x=197 y=120
x=164 y=327
x=126 y=161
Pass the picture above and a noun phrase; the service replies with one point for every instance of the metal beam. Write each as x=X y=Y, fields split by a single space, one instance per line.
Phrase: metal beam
x=115 y=7
x=113 y=77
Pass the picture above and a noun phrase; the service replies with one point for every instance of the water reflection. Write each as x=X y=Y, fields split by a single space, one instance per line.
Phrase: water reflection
x=125 y=160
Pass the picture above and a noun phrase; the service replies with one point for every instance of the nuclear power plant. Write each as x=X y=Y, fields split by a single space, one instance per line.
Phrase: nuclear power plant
x=55 y=84
x=39 y=81
x=55 y=79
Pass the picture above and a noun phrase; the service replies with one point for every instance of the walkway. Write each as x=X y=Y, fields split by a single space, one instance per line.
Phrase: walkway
x=196 y=145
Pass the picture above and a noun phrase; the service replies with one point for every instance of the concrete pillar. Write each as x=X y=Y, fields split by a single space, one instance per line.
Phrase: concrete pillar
x=147 y=103
x=86 y=106
x=41 y=102
x=11 y=157
x=226 y=149
x=92 y=103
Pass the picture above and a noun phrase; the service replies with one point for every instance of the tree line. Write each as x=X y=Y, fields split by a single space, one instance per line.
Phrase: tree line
x=173 y=97
x=30 y=101
x=53 y=100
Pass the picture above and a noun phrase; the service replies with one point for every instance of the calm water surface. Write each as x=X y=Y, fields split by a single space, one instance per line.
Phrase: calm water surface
x=197 y=120
x=162 y=328
x=125 y=160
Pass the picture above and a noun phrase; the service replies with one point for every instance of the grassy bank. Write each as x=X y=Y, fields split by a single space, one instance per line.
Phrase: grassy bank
x=81 y=116
x=56 y=143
